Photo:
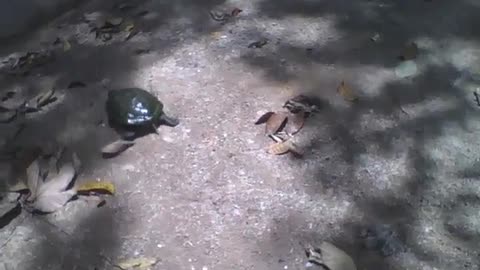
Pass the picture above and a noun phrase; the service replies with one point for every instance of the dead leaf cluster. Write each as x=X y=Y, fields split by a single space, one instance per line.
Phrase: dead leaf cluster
x=224 y=17
x=34 y=104
x=22 y=64
x=51 y=182
x=281 y=126
x=106 y=26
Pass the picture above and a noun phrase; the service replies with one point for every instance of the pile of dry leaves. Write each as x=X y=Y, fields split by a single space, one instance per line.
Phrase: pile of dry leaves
x=283 y=125
x=50 y=182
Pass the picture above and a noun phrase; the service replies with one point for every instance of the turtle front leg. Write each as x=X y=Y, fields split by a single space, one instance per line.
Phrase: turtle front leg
x=169 y=121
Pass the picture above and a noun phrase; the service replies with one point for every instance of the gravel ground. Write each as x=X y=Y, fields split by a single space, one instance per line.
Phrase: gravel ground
x=205 y=194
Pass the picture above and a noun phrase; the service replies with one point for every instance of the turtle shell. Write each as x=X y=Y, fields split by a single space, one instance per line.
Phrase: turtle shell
x=133 y=107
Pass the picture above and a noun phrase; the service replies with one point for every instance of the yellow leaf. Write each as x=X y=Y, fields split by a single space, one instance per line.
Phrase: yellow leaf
x=66 y=45
x=346 y=92
x=96 y=186
x=216 y=35
x=137 y=263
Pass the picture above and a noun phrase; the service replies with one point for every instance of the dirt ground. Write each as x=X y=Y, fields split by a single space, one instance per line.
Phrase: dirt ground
x=205 y=195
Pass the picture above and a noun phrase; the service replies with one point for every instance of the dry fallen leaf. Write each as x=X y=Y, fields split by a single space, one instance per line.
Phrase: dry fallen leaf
x=330 y=257
x=410 y=51
x=264 y=118
x=137 y=263
x=346 y=92
x=284 y=147
x=96 y=187
x=66 y=45
x=51 y=194
x=45 y=98
x=115 y=148
x=275 y=123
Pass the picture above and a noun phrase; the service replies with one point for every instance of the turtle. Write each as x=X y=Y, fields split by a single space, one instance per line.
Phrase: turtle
x=134 y=112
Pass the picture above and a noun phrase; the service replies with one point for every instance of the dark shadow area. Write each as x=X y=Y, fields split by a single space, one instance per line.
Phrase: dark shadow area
x=93 y=244
x=398 y=22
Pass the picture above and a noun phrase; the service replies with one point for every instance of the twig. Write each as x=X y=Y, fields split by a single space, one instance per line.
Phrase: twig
x=477 y=99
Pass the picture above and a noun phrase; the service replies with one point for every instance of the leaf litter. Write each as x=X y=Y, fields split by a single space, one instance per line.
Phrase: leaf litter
x=51 y=183
x=281 y=126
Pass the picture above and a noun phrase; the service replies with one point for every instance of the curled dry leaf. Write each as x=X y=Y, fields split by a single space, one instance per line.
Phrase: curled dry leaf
x=115 y=148
x=330 y=257
x=99 y=187
x=137 y=263
x=301 y=103
x=284 y=147
x=275 y=123
x=264 y=118
x=346 y=92
x=409 y=52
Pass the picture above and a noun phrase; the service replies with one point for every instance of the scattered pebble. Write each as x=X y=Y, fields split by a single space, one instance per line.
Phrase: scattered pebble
x=406 y=69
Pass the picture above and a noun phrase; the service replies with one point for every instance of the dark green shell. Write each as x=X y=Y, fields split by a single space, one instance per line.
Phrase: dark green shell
x=133 y=107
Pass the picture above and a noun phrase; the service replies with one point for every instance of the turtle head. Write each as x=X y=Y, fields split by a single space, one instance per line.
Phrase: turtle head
x=168 y=121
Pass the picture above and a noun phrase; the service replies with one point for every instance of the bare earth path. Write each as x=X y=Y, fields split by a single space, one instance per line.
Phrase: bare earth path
x=205 y=194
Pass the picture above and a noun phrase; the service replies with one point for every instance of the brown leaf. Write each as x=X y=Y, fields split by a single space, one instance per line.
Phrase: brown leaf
x=264 y=118
x=331 y=257
x=346 y=92
x=235 y=12
x=115 y=148
x=409 y=52
x=295 y=122
x=275 y=123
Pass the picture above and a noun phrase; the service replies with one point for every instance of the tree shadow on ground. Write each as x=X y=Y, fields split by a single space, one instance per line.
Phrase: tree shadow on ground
x=395 y=119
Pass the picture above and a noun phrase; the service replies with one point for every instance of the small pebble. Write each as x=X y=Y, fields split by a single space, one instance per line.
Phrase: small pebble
x=406 y=69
